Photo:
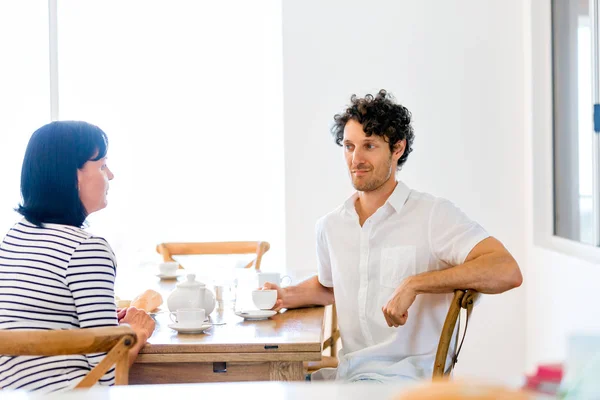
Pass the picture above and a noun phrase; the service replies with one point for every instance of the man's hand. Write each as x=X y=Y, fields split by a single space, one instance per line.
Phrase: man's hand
x=307 y=293
x=396 y=309
x=280 y=293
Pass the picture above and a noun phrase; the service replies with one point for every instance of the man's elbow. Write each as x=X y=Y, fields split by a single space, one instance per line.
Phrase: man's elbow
x=514 y=278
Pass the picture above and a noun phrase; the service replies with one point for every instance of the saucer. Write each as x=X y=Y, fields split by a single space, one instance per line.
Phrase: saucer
x=255 y=315
x=189 y=329
x=165 y=277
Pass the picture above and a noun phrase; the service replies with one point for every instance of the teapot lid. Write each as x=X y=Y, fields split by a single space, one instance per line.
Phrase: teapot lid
x=191 y=282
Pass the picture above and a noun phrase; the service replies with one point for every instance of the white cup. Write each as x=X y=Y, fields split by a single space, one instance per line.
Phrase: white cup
x=188 y=316
x=273 y=277
x=168 y=268
x=264 y=299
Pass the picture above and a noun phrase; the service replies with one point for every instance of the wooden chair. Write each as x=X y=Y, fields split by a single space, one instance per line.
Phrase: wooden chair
x=462 y=299
x=168 y=250
x=331 y=342
x=115 y=340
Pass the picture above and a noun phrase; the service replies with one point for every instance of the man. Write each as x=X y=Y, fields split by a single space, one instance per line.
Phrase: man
x=390 y=257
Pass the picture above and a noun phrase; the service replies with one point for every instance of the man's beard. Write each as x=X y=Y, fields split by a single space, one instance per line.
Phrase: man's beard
x=375 y=182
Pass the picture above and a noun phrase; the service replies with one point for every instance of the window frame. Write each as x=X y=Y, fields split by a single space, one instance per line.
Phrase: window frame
x=539 y=95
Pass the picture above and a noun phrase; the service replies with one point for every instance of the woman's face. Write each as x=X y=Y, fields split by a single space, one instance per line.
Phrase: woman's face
x=93 y=180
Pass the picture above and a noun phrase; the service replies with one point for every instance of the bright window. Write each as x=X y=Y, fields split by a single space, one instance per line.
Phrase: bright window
x=190 y=96
x=24 y=92
x=576 y=146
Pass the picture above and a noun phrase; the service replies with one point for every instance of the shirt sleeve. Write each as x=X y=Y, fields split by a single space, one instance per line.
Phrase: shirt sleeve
x=323 y=259
x=91 y=278
x=452 y=234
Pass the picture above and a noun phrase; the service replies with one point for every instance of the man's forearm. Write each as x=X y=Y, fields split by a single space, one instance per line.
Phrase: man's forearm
x=489 y=268
x=491 y=274
x=307 y=293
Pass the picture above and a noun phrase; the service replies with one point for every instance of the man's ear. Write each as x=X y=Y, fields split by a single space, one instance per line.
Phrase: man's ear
x=399 y=148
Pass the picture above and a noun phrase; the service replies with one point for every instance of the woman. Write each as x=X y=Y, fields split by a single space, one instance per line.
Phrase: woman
x=54 y=274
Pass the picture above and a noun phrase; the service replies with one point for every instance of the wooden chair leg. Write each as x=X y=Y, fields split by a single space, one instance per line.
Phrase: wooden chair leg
x=334 y=328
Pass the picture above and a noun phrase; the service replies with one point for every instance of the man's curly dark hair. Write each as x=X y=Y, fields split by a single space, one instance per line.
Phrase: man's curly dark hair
x=380 y=116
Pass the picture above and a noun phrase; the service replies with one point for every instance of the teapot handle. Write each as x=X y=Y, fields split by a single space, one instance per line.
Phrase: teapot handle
x=173 y=314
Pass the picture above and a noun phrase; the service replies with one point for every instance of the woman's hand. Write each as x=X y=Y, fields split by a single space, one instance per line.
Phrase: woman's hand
x=121 y=313
x=142 y=324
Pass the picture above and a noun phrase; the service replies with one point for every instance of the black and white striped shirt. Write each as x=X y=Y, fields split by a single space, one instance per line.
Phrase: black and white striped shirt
x=55 y=277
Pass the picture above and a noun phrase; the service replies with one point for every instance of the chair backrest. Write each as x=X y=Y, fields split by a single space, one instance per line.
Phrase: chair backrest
x=116 y=341
x=168 y=250
x=462 y=299
x=330 y=361
x=331 y=341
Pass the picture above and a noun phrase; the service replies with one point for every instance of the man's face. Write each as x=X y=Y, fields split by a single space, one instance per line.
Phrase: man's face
x=369 y=159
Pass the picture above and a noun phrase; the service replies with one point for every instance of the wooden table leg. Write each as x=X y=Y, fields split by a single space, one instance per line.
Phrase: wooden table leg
x=286 y=371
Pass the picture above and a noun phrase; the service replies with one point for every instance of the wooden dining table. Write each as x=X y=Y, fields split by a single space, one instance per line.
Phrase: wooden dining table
x=239 y=350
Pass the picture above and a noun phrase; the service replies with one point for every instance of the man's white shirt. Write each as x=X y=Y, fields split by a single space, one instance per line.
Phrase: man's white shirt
x=411 y=233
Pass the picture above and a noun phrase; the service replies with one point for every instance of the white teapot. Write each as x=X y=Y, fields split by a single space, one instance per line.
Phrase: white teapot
x=191 y=294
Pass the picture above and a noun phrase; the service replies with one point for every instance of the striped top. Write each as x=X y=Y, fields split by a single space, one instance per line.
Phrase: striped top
x=55 y=277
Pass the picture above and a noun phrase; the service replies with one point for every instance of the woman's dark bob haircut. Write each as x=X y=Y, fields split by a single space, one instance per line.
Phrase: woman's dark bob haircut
x=49 y=184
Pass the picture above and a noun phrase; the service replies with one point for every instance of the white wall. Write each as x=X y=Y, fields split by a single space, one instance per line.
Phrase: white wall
x=562 y=290
x=562 y=299
x=459 y=67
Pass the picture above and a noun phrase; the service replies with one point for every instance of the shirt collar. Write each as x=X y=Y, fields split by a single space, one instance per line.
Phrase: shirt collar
x=397 y=199
x=349 y=204
x=399 y=196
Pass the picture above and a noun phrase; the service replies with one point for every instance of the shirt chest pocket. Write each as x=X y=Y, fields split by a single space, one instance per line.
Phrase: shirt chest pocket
x=397 y=263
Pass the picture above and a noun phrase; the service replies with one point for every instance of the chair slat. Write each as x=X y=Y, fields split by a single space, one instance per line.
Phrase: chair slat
x=62 y=342
x=168 y=250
